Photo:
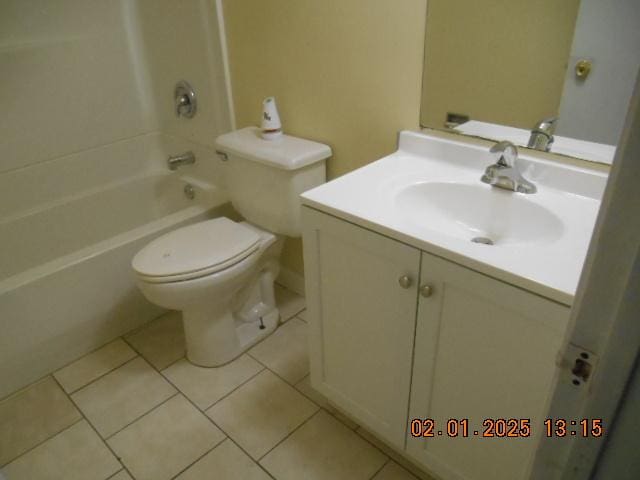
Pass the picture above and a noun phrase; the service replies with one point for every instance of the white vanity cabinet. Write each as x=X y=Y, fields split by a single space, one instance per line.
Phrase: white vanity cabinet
x=397 y=333
x=362 y=334
x=483 y=350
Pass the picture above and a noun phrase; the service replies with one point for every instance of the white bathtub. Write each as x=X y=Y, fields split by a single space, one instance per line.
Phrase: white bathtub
x=66 y=285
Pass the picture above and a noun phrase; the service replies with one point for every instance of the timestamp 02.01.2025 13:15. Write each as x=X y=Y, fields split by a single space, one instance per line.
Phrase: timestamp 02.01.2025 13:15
x=505 y=428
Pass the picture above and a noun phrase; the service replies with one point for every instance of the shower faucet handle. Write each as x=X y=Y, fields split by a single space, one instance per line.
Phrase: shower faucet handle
x=185 y=99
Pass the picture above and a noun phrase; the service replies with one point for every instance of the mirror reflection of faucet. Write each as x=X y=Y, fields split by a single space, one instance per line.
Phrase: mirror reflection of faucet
x=542 y=134
x=505 y=173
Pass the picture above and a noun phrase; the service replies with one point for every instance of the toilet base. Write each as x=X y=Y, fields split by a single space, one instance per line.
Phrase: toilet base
x=218 y=332
x=216 y=343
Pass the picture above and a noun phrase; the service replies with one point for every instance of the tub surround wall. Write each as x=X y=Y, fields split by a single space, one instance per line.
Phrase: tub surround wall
x=88 y=112
x=67 y=308
x=55 y=60
x=184 y=44
x=345 y=73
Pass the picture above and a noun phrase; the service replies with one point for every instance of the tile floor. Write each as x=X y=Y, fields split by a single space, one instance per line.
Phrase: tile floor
x=136 y=409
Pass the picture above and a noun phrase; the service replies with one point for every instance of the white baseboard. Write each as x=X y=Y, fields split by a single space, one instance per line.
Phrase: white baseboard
x=291 y=280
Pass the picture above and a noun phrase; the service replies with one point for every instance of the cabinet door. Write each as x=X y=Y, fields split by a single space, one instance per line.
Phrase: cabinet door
x=484 y=350
x=362 y=321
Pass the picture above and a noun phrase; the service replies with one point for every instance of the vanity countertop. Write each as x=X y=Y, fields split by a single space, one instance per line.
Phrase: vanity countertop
x=428 y=194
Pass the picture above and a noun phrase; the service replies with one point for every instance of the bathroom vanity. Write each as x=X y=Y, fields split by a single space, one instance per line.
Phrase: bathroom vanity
x=438 y=304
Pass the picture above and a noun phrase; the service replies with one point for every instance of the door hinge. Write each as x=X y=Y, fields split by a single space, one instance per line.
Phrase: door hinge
x=580 y=364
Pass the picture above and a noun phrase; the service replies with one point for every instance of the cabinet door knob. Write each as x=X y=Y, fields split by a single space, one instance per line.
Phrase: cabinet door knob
x=405 y=281
x=426 y=290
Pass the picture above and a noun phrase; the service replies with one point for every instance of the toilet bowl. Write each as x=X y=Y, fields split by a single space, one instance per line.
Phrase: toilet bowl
x=220 y=273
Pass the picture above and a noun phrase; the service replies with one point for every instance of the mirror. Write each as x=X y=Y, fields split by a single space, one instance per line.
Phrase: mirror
x=496 y=69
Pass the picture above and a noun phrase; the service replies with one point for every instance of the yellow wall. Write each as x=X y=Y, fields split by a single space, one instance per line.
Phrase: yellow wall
x=344 y=72
x=498 y=61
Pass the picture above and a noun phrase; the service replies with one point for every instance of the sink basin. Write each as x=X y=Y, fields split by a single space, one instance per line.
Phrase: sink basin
x=428 y=195
x=479 y=213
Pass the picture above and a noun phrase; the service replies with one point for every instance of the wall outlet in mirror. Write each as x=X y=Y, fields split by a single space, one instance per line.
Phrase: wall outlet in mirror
x=455 y=119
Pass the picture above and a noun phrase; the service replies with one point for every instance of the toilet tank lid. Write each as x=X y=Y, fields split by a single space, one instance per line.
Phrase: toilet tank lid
x=285 y=152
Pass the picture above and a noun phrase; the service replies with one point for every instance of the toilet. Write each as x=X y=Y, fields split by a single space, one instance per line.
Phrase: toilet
x=220 y=273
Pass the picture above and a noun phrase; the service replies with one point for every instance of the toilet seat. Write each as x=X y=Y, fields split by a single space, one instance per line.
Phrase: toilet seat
x=195 y=251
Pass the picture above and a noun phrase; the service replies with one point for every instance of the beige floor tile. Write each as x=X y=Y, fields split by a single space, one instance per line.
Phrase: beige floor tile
x=304 y=386
x=393 y=454
x=94 y=365
x=121 y=475
x=32 y=415
x=164 y=442
x=289 y=303
x=162 y=341
x=393 y=471
x=205 y=386
x=323 y=448
x=303 y=315
x=261 y=413
x=117 y=399
x=226 y=461
x=285 y=351
x=76 y=453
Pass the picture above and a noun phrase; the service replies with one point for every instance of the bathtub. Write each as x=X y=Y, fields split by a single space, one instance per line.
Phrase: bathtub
x=66 y=285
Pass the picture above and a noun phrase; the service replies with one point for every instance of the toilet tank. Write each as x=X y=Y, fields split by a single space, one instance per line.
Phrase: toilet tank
x=266 y=177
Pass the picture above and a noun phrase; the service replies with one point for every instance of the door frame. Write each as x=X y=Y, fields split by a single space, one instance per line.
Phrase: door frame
x=604 y=319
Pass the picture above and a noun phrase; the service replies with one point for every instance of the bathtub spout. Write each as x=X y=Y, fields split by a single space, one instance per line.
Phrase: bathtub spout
x=175 y=161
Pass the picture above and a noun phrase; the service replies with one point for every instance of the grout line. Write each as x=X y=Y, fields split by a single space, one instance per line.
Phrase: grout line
x=381 y=468
x=41 y=442
x=80 y=358
x=184 y=357
x=179 y=392
x=399 y=456
x=290 y=433
x=203 y=410
x=98 y=377
x=199 y=458
x=256 y=462
x=95 y=380
x=119 y=472
x=141 y=416
x=51 y=373
x=104 y=442
x=334 y=412
x=135 y=349
x=291 y=384
x=236 y=388
x=26 y=387
x=157 y=369
x=146 y=324
x=357 y=432
x=294 y=315
x=227 y=436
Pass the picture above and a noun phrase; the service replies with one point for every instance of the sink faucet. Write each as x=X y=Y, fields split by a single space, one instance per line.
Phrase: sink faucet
x=542 y=134
x=186 y=158
x=504 y=173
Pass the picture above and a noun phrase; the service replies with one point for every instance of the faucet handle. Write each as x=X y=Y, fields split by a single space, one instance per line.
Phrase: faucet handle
x=506 y=153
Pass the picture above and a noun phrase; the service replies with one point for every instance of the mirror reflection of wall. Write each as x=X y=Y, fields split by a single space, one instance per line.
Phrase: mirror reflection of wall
x=513 y=62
